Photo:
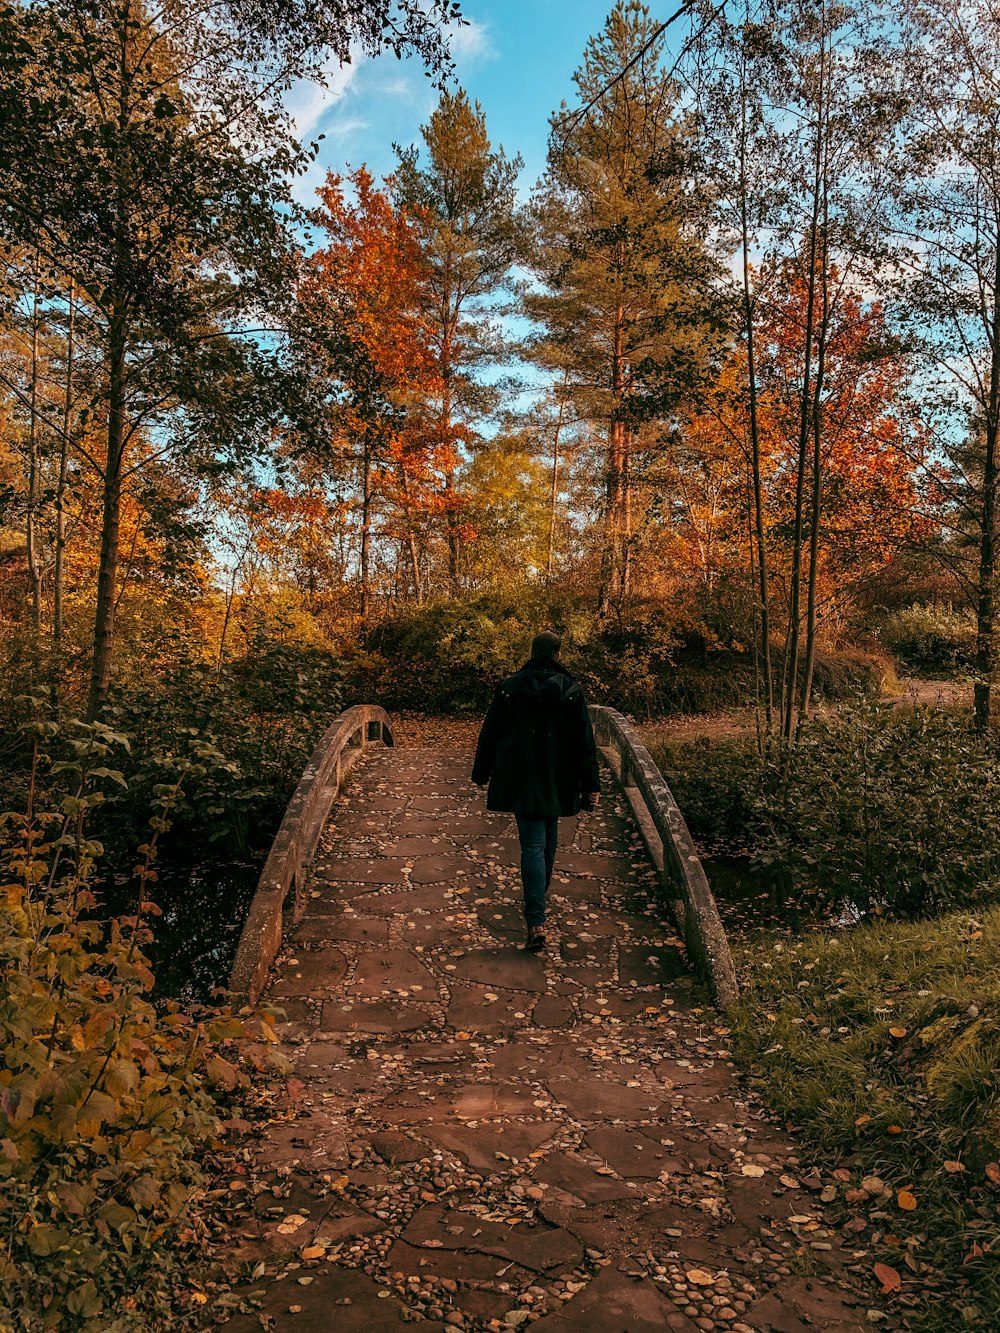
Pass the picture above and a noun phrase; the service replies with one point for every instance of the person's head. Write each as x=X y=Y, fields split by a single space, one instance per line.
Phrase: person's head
x=546 y=645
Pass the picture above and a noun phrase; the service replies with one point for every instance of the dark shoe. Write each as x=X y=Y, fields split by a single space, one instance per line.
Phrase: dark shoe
x=536 y=938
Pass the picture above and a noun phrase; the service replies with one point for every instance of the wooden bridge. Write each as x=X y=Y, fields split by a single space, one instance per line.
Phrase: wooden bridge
x=485 y=1139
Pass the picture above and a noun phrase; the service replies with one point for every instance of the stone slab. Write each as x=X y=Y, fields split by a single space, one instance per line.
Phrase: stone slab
x=360 y=869
x=388 y=971
x=479 y=1147
x=507 y=968
x=471 y=1010
x=350 y=928
x=541 y=1247
x=567 y=1171
x=616 y=1303
x=312 y=972
x=598 y=1099
x=380 y=1016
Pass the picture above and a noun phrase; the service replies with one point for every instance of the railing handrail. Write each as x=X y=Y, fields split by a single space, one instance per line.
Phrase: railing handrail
x=285 y=870
x=676 y=857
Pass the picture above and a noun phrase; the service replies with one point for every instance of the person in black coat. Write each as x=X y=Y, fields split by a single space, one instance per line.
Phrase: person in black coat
x=537 y=752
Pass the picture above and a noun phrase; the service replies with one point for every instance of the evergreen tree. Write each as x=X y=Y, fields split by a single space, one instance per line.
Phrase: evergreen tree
x=463 y=201
x=622 y=255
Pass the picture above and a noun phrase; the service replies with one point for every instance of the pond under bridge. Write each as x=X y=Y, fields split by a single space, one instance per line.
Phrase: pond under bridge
x=483 y=1138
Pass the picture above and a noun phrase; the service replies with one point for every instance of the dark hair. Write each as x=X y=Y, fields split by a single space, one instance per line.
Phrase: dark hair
x=546 y=644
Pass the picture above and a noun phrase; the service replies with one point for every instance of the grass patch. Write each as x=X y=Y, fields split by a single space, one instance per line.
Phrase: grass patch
x=881 y=1046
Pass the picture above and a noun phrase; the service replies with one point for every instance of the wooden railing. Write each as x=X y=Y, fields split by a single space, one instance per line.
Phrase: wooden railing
x=280 y=896
x=673 y=852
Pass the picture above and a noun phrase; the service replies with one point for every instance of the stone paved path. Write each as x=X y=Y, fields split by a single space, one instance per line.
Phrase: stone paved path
x=487 y=1139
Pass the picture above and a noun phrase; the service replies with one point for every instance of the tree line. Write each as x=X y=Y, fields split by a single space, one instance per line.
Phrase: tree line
x=732 y=365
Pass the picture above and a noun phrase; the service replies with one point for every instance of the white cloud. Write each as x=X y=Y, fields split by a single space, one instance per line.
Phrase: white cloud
x=469 y=42
x=308 y=101
x=340 y=129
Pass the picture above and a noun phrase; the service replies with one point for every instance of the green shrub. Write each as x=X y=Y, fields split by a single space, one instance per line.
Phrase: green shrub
x=932 y=639
x=714 y=782
x=444 y=656
x=447 y=656
x=875 y=808
x=628 y=665
x=893 y=810
x=106 y=1102
x=256 y=719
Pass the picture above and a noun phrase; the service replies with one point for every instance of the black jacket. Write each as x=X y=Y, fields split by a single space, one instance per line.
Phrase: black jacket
x=536 y=748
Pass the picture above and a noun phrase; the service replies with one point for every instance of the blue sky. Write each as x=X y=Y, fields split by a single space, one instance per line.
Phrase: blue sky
x=516 y=57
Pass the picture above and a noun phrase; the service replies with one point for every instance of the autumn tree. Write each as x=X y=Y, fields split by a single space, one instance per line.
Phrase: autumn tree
x=364 y=300
x=461 y=193
x=949 y=292
x=795 y=119
x=620 y=254
x=142 y=158
x=872 y=444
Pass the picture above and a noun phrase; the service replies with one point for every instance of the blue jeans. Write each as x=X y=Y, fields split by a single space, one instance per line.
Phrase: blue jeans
x=538 y=853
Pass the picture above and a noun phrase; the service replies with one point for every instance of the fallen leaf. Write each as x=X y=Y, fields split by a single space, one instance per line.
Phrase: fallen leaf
x=907 y=1200
x=700 y=1278
x=992 y=1170
x=862 y=1120
x=314 y=1252
x=752 y=1169
x=890 y=1279
x=199 y=1297
x=953 y=1168
x=898 y=1033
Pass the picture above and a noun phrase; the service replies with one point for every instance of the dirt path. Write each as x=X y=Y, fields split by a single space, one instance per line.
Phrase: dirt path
x=737 y=722
x=486 y=1139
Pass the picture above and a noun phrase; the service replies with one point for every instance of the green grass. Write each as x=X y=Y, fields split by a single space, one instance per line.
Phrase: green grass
x=880 y=1046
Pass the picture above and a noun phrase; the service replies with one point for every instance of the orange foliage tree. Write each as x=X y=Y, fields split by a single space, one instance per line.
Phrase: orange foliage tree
x=364 y=295
x=870 y=447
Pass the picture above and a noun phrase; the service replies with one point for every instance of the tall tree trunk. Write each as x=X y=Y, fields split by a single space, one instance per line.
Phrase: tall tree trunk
x=34 y=466
x=366 y=526
x=763 y=590
x=107 y=573
x=816 y=503
x=411 y=536
x=447 y=432
x=626 y=555
x=805 y=419
x=986 y=603
x=609 y=591
x=554 y=491
x=58 y=574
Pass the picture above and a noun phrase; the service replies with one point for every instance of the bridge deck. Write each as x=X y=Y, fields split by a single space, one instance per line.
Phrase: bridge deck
x=488 y=1138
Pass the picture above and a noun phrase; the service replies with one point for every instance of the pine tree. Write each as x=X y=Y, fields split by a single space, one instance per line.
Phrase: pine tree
x=621 y=254
x=464 y=204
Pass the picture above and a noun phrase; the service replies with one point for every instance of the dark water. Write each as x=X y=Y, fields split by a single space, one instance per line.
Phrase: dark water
x=750 y=900
x=194 y=941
